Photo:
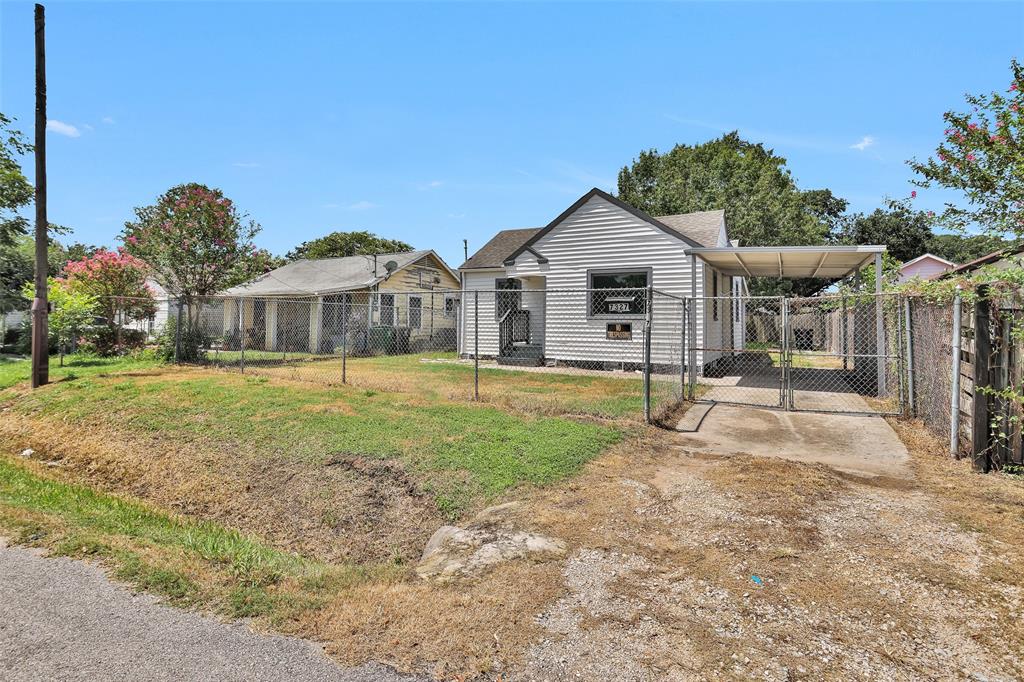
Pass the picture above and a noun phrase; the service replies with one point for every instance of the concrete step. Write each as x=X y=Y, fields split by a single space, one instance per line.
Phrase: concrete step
x=527 y=350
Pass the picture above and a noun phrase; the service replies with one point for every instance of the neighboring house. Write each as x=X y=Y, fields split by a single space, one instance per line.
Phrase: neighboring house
x=925 y=266
x=300 y=306
x=554 y=279
x=998 y=259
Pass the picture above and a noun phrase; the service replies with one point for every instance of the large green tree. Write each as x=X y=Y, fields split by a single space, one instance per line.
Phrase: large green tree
x=17 y=266
x=342 y=244
x=762 y=203
x=982 y=157
x=963 y=248
x=15 y=190
x=906 y=232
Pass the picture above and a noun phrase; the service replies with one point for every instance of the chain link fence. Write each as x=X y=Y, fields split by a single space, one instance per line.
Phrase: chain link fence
x=616 y=354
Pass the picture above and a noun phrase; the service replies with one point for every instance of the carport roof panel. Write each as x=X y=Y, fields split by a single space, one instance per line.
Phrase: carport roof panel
x=790 y=262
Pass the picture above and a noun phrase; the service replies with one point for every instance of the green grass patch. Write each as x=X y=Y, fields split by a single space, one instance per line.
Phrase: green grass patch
x=18 y=371
x=185 y=560
x=460 y=451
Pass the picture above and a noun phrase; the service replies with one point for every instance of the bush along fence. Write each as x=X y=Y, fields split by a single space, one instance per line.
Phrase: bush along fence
x=967 y=356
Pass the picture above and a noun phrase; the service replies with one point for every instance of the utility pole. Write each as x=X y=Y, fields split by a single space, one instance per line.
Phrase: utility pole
x=40 y=305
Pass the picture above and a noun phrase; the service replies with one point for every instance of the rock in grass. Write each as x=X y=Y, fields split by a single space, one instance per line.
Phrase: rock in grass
x=453 y=552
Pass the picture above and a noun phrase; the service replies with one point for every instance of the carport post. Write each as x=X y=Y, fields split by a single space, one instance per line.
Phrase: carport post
x=684 y=310
x=879 y=327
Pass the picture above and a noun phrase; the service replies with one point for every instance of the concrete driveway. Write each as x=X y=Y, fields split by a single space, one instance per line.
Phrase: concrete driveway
x=861 y=444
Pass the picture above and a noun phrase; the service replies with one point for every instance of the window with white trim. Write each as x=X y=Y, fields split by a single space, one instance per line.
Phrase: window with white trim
x=619 y=294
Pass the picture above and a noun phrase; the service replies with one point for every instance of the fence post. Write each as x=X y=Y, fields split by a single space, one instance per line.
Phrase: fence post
x=241 y=333
x=647 y=354
x=344 y=338
x=982 y=350
x=909 y=360
x=177 y=334
x=682 y=349
x=954 y=398
x=476 y=345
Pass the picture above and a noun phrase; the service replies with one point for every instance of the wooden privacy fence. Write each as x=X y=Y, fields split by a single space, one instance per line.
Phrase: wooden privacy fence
x=997 y=413
x=991 y=368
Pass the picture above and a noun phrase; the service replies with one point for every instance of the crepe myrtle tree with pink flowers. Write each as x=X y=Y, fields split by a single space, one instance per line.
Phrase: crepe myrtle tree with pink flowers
x=116 y=281
x=195 y=241
x=982 y=156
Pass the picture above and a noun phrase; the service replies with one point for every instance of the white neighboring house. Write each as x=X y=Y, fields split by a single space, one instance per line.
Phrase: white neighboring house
x=925 y=266
x=599 y=242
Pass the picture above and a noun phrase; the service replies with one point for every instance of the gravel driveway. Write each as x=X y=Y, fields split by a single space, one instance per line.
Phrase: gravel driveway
x=63 y=619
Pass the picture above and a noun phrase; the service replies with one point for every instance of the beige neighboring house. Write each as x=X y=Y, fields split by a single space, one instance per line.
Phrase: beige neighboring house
x=925 y=266
x=1000 y=260
x=315 y=305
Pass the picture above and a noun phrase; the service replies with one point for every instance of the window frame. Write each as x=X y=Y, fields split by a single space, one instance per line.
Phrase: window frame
x=456 y=303
x=624 y=270
x=418 y=309
x=392 y=310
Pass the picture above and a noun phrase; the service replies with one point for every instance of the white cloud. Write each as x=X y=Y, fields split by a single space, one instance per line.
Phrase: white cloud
x=88 y=127
x=433 y=184
x=361 y=206
x=247 y=164
x=457 y=215
x=865 y=142
x=62 y=128
x=108 y=120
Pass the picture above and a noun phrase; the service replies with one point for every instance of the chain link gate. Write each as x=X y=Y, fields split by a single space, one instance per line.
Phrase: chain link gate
x=841 y=353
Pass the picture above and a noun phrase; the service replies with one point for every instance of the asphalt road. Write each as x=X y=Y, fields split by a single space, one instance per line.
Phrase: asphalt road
x=64 y=620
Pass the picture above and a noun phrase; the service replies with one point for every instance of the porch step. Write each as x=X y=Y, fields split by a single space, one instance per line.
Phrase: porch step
x=520 y=361
x=527 y=350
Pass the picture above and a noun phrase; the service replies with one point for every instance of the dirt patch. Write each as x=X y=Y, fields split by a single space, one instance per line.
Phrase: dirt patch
x=344 y=509
x=698 y=567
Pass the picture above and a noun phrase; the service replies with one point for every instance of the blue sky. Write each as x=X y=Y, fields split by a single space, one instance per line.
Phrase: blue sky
x=437 y=122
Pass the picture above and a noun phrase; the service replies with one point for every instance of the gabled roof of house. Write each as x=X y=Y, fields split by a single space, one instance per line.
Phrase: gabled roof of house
x=702 y=227
x=493 y=253
x=931 y=256
x=328 y=275
x=695 y=229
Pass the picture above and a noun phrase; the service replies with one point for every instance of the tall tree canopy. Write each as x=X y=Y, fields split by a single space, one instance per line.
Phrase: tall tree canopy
x=762 y=203
x=17 y=266
x=342 y=244
x=960 y=248
x=195 y=241
x=907 y=233
x=982 y=157
x=15 y=190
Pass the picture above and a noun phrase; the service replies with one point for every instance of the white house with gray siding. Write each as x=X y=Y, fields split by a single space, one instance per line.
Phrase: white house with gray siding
x=556 y=278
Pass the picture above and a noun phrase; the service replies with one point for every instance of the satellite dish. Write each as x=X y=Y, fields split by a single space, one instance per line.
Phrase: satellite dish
x=391 y=266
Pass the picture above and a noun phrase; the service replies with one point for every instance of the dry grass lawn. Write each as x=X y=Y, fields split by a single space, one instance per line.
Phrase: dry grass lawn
x=682 y=565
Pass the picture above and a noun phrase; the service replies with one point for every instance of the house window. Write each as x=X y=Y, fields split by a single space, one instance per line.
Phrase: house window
x=451 y=306
x=508 y=295
x=619 y=294
x=415 y=312
x=387 y=310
